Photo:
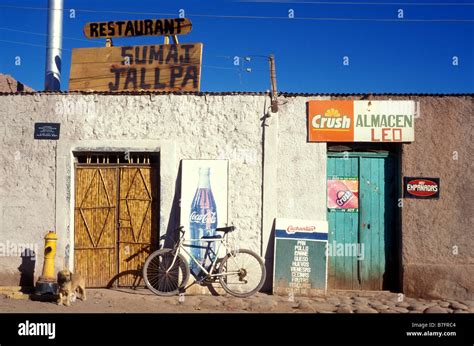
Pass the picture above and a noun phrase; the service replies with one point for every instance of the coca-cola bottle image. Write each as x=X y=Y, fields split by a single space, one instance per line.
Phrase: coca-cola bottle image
x=202 y=221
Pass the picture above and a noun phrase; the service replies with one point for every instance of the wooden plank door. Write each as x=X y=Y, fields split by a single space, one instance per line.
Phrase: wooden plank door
x=116 y=222
x=343 y=229
x=377 y=206
x=137 y=231
x=95 y=224
x=372 y=228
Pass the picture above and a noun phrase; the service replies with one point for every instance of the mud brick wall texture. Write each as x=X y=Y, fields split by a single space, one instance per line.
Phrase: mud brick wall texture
x=199 y=128
x=9 y=84
x=438 y=235
x=276 y=165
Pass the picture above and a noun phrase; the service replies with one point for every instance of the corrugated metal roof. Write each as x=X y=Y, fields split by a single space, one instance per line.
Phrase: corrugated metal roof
x=226 y=93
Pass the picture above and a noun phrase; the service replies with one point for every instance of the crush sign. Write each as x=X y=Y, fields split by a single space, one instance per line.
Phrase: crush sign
x=361 y=121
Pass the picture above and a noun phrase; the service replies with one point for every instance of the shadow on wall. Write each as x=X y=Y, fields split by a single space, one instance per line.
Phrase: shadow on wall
x=132 y=262
x=268 y=284
x=27 y=269
x=392 y=232
x=171 y=236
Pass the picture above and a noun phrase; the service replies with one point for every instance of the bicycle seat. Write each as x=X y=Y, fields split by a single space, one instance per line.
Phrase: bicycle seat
x=211 y=237
x=226 y=229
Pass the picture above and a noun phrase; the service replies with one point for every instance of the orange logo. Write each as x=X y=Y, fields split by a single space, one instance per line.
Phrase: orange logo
x=331 y=121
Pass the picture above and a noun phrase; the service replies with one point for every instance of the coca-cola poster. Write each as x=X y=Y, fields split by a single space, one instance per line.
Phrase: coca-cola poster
x=343 y=194
x=204 y=191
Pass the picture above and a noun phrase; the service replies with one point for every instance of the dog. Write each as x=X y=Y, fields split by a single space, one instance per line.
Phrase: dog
x=69 y=285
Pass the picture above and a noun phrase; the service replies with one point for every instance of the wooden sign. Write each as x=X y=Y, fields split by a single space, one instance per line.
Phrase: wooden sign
x=141 y=27
x=172 y=67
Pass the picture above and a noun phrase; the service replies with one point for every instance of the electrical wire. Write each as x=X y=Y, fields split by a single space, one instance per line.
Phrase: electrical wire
x=351 y=3
x=42 y=34
x=258 y=17
x=93 y=62
x=30 y=44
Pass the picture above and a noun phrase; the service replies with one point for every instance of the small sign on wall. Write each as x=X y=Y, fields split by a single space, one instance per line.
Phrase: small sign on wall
x=422 y=188
x=47 y=131
x=300 y=263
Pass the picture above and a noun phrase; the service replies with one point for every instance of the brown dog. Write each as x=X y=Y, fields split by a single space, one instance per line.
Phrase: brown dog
x=70 y=284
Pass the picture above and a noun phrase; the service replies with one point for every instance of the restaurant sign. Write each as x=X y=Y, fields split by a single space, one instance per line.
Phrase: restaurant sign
x=141 y=27
x=423 y=188
x=361 y=121
x=169 y=67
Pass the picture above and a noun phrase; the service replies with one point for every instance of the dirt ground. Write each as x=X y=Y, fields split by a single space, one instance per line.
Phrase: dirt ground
x=144 y=301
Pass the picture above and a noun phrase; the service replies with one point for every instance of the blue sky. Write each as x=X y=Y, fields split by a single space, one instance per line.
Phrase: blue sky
x=384 y=56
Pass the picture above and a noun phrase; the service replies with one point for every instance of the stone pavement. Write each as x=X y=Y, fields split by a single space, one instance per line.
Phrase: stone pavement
x=142 y=300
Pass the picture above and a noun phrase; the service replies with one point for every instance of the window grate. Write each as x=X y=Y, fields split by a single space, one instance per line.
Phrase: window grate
x=108 y=158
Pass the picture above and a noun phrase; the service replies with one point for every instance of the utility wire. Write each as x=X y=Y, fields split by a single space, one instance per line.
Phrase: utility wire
x=30 y=44
x=131 y=65
x=358 y=3
x=259 y=17
x=42 y=34
x=95 y=42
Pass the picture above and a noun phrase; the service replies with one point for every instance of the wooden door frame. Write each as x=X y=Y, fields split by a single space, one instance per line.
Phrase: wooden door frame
x=396 y=283
x=65 y=157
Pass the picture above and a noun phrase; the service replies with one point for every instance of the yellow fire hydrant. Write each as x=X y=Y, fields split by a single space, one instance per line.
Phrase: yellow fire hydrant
x=46 y=283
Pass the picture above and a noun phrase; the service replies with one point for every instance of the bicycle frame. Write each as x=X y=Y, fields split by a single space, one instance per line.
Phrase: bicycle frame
x=182 y=246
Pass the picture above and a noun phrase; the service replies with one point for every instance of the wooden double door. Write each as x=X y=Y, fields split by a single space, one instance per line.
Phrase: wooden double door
x=115 y=222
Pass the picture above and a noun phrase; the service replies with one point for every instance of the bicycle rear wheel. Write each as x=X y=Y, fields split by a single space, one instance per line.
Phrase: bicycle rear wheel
x=244 y=273
x=160 y=277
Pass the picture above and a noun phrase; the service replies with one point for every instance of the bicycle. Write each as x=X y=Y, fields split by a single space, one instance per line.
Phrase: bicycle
x=241 y=272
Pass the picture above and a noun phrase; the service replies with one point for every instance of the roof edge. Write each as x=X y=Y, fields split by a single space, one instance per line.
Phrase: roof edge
x=224 y=93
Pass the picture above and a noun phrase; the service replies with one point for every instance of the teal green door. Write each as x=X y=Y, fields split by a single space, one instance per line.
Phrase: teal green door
x=361 y=238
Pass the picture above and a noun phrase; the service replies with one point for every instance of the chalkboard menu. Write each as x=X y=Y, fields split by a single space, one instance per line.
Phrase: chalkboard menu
x=300 y=264
x=47 y=131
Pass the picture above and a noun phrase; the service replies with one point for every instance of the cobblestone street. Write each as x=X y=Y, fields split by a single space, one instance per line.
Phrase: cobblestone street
x=142 y=300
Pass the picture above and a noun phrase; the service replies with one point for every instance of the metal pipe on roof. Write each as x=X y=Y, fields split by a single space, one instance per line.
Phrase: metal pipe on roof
x=54 y=45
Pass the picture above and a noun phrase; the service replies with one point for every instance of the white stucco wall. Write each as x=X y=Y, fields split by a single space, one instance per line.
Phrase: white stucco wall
x=36 y=177
x=301 y=165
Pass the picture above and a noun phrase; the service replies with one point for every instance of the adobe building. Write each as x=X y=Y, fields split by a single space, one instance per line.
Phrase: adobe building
x=10 y=84
x=110 y=184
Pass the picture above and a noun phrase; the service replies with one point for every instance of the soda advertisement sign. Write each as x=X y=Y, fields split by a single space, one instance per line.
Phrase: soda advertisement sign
x=300 y=263
x=204 y=193
x=343 y=194
x=423 y=188
x=361 y=121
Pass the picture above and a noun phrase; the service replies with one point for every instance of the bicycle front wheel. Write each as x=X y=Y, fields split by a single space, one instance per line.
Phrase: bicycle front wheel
x=162 y=278
x=242 y=273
